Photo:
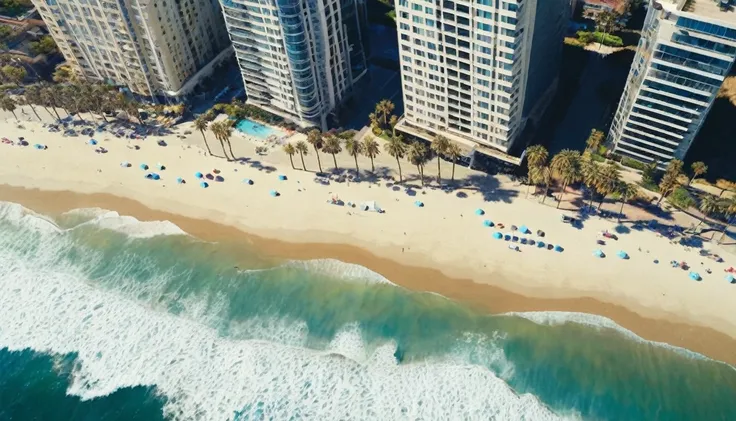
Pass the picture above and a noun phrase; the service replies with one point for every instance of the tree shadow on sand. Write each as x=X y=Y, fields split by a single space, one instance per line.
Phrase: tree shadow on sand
x=488 y=186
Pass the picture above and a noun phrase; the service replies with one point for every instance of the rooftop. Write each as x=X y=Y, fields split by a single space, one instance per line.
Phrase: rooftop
x=710 y=9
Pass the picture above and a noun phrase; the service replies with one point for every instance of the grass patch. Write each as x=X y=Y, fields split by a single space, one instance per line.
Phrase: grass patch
x=650 y=186
x=586 y=37
x=632 y=163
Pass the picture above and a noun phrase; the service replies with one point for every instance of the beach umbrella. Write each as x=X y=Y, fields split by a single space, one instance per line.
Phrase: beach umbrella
x=155 y=176
x=497 y=235
x=523 y=229
x=506 y=237
x=180 y=180
x=248 y=181
x=204 y=184
x=273 y=193
x=148 y=176
x=488 y=223
x=419 y=204
x=220 y=178
x=558 y=249
x=540 y=244
x=125 y=164
x=540 y=233
x=695 y=276
x=480 y=212
x=531 y=242
x=198 y=174
x=514 y=238
x=160 y=166
x=597 y=253
x=622 y=254
x=730 y=279
x=92 y=142
x=282 y=177
x=144 y=167
x=209 y=176
x=39 y=146
x=523 y=241
x=23 y=143
x=514 y=228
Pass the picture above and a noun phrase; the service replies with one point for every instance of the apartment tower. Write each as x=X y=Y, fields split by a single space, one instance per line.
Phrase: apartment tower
x=477 y=71
x=155 y=48
x=686 y=50
x=300 y=59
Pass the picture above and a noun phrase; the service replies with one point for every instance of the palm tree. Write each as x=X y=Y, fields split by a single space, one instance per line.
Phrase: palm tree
x=218 y=130
x=708 y=205
x=609 y=180
x=725 y=185
x=439 y=147
x=453 y=152
x=699 y=168
x=384 y=108
x=417 y=155
x=332 y=146
x=371 y=149
x=594 y=141
x=314 y=137
x=48 y=99
x=8 y=104
x=32 y=95
x=396 y=148
x=536 y=156
x=227 y=133
x=626 y=191
x=670 y=180
x=392 y=122
x=729 y=209
x=543 y=175
x=354 y=148
x=290 y=150
x=591 y=173
x=303 y=149
x=566 y=167
x=201 y=123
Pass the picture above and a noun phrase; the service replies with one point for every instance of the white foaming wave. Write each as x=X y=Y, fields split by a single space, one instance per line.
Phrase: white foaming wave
x=23 y=217
x=120 y=343
x=131 y=226
x=340 y=269
x=555 y=318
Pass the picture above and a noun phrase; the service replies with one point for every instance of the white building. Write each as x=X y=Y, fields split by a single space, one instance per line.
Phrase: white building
x=300 y=59
x=154 y=47
x=477 y=71
x=686 y=50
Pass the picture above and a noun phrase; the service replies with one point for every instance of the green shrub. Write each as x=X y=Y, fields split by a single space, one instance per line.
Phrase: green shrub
x=681 y=198
x=608 y=39
x=632 y=163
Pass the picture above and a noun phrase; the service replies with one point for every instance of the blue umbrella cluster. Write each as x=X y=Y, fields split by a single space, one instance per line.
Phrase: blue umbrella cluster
x=153 y=176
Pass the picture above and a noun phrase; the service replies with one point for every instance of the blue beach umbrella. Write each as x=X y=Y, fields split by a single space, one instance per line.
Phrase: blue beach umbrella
x=598 y=253
x=730 y=279
x=204 y=184
x=39 y=146
x=273 y=193
x=488 y=223
x=695 y=276
x=282 y=177
x=220 y=178
x=497 y=235
x=125 y=164
x=506 y=237
x=419 y=204
x=92 y=142
x=198 y=174
x=622 y=254
x=180 y=180
x=144 y=167
x=248 y=181
x=160 y=167
x=523 y=241
x=523 y=229
x=480 y=212
x=559 y=249
x=541 y=244
x=155 y=176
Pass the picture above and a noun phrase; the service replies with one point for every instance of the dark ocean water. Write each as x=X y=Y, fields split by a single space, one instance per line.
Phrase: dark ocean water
x=106 y=318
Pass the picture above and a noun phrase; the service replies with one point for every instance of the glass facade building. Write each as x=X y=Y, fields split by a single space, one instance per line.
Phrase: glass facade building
x=299 y=59
x=681 y=62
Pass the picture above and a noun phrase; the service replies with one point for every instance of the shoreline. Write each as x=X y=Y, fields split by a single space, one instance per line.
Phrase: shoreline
x=481 y=296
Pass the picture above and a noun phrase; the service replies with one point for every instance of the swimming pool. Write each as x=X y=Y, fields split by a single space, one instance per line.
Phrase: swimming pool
x=255 y=129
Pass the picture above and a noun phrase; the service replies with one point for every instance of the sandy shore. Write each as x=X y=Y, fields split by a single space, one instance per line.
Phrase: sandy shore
x=457 y=255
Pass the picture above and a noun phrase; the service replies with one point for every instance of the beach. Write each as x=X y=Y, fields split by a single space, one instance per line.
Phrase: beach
x=445 y=236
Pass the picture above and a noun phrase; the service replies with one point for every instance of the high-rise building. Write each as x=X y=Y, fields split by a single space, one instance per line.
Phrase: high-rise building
x=477 y=71
x=300 y=59
x=153 y=47
x=686 y=50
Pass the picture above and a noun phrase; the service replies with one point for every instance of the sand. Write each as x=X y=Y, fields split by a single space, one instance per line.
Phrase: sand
x=445 y=238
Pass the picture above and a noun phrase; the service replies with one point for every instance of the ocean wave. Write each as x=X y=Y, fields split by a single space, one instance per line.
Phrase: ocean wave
x=338 y=269
x=555 y=318
x=23 y=217
x=121 y=343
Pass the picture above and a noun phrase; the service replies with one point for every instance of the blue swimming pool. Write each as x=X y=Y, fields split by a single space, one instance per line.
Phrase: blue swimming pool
x=252 y=128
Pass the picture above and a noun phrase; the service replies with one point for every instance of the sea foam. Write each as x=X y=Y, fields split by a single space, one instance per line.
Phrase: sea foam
x=339 y=269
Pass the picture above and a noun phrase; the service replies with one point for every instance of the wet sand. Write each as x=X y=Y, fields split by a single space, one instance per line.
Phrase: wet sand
x=485 y=297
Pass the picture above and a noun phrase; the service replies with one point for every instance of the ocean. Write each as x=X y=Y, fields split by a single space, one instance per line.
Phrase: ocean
x=104 y=317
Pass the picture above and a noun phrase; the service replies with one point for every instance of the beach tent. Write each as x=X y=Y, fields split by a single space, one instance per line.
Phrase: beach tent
x=480 y=212
x=559 y=249
x=180 y=180
x=144 y=167
x=497 y=235
x=419 y=204
x=695 y=276
x=92 y=142
x=597 y=253
x=371 y=206
x=273 y=193
x=541 y=245
x=524 y=230
x=488 y=223
x=198 y=174
x=282 y=177
x=204 y=184
x=125 y=164
x=622 y=254
x=247 y=181
x=730 y=279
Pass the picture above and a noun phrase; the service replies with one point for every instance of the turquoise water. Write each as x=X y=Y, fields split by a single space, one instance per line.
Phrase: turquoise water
x=107 y=318
x=253 y=128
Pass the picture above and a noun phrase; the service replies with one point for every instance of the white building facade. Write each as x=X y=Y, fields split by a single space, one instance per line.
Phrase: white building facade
x=476 y=71
x=153 y=47
x=681 y=62
x=300 y=59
